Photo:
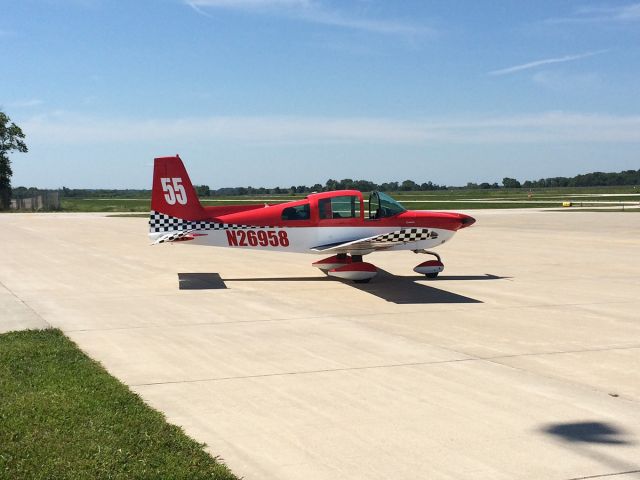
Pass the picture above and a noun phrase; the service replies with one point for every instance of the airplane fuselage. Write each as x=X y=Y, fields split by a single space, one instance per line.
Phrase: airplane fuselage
x=276 y=227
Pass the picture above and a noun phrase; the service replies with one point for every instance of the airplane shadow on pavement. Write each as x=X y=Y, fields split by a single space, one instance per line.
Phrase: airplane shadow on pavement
x=588 y=438
x=200 y=281
x=588 y=432
x=407 y=290
x=387 y=286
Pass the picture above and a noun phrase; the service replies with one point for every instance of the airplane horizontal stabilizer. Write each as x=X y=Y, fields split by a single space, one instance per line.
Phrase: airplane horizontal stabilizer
x=180 y=236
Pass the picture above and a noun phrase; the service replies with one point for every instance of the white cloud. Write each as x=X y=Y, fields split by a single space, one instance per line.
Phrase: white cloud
x=628 y=13
x=605 y=14
x=64 y=128
x=32 y=102
x=313 y=12
x=546 y=61
x=337 y=19
x=249 y=3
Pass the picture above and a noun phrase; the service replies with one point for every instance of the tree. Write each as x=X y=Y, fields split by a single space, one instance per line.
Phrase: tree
x=202 y=190
x=510 y=183
x=10 y=139
x=331 y=185
x=389 y=187
x=408 y=185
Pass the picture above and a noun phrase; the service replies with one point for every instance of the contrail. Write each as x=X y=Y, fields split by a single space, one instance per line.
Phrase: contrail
x=546 y=61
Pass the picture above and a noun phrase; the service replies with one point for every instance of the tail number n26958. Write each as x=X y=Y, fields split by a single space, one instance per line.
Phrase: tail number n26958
x=254 y=238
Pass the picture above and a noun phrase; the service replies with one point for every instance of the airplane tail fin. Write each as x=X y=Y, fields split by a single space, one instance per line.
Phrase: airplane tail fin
x=173 y=194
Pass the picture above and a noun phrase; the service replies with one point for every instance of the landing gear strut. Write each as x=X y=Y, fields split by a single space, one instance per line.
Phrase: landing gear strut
x=430 y=268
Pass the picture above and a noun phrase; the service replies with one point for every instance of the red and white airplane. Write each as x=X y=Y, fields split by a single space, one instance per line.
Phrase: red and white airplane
x=333 y=223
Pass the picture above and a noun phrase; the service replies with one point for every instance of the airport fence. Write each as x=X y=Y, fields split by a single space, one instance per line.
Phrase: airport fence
x=44 y=200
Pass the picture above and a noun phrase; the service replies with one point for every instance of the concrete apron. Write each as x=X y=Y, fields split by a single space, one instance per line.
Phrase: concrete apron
x=521 y=361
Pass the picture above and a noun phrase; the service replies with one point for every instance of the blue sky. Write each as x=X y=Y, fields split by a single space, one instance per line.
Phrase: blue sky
x=282 y=92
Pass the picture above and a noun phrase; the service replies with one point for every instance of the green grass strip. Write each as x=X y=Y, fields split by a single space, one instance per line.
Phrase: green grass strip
x=63 y=416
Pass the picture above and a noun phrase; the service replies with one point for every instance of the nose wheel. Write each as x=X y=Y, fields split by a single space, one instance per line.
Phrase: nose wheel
x=430 y=268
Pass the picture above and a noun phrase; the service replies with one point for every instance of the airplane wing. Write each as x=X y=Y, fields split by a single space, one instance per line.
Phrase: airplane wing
x=379 y=242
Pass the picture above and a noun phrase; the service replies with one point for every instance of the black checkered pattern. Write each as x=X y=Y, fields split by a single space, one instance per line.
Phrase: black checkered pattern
x=159 y=222
x=405 y=235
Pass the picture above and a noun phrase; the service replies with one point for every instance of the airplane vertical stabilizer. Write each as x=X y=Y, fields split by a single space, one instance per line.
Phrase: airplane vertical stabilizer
x=173 y=194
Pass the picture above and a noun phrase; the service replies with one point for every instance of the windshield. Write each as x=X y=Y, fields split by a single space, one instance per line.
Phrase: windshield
x=382 y=205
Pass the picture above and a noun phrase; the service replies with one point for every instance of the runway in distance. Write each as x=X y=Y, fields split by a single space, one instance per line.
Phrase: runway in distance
x=334 y=223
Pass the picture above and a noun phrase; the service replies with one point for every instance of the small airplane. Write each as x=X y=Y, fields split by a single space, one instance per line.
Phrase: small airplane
x=331 y=223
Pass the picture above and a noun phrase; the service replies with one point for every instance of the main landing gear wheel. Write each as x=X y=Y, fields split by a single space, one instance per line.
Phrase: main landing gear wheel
x=347 y=268
x=430 y=268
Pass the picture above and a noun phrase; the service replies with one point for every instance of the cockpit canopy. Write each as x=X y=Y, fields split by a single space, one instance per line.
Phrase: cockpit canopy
x=382 y=205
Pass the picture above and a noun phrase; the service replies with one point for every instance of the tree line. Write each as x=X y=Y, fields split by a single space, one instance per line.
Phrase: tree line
x=594 y=179
x=330 y=185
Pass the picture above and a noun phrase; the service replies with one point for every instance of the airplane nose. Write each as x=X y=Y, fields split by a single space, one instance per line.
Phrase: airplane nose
x=466 y=220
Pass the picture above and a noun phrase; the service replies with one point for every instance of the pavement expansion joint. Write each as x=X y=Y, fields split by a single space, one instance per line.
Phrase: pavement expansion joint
x=27 y=306
x=560 y=352
x=304 y=372
x=336 y=315
x=604 y=475
x=566 y=381
x=195 y=324
x=470 y=358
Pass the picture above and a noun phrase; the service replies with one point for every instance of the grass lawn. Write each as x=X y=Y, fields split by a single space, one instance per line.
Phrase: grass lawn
x=105 y=205
x=63 y=416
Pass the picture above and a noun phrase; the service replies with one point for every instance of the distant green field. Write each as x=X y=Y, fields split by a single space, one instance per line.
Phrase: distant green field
x=600 y=210
x=63 y=416
x=523 y=192
x=104 y=205
x=458 y=199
